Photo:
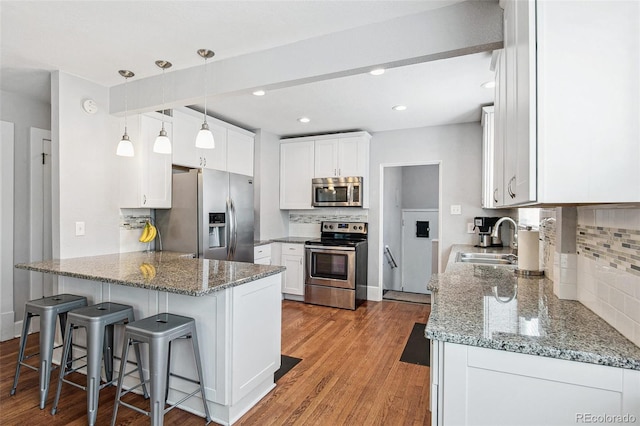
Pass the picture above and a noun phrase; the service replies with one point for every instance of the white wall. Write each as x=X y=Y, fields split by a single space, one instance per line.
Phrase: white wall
x=458 y=148
x=24 y=113
x=392 y=228
x=6 y=230
x=420 y=187
x=271 y=222
x=85 y=184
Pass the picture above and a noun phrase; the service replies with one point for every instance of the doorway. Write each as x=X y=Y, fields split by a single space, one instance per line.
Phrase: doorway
x=411 y=217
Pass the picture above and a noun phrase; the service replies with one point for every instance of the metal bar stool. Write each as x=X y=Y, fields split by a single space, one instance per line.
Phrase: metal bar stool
x=158 y=331
x=47 y=308
x=98 y=320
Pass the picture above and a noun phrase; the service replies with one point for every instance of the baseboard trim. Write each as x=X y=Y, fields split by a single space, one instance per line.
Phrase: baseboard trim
x=374 y=293
x=7 y=326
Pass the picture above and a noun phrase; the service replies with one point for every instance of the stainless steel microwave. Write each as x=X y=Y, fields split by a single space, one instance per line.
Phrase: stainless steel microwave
x=337 y=192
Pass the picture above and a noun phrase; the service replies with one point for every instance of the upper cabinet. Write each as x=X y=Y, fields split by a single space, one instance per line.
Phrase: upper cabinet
x=566 y=103
x=488 y=144
x=296 y=172
x=302 y=159
x=342 y=157
x=234 y=146
x=145 y=179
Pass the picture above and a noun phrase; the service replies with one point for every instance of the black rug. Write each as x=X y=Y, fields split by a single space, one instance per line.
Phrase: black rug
x=286 y=364
x=416 y=351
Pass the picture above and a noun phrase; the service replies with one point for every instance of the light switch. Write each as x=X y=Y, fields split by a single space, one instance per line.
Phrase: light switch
x=79 y=229
x=456 y=209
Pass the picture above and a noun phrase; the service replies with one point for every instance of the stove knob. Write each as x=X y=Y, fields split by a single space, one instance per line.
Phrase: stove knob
x=330 y=226
x=360 y=228
x=326 y=226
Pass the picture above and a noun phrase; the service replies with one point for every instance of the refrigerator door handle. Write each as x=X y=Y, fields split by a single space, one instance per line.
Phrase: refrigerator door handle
x=229 y=229
x=234 y=229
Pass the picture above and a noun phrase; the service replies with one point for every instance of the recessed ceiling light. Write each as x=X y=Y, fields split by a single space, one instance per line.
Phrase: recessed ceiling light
x=489 y=85
x=377 y=71
x=399 y=107
x=304 y=119
x=259 y=93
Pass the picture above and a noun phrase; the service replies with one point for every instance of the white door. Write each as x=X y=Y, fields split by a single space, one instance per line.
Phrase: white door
x=40 y=218
x=419 y=229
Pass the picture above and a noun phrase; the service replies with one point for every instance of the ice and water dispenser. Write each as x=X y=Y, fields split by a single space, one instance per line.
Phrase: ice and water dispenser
x=217 y=234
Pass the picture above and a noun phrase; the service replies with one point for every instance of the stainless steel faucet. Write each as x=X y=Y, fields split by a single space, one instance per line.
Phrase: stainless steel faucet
x=496 y=227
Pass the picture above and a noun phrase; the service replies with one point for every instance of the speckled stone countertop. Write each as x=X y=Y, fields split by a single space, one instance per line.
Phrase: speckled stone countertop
x=162 y=271
x=491 y=307
x=291 y=240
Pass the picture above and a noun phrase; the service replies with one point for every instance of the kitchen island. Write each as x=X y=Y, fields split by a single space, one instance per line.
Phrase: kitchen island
x=236 y=306
x=506 y=350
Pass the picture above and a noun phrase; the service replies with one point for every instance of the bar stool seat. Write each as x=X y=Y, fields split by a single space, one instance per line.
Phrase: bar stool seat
x=158 y=331
x=47 y=308
x=99 y=321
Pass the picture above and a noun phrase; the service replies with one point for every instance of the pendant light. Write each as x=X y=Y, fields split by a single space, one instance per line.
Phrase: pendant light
x=162 y=145
x=125 y=147
x=205 y=137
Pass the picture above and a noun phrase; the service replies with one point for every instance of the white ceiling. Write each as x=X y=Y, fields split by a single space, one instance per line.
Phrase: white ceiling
x=94 y=39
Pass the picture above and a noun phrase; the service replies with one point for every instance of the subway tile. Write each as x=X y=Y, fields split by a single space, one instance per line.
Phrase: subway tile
x=632 y=308
x=624 y=325
x=602 y=291
x=568 y=276
x=617 y=299
x=568 y=292
x=636 y=334
x=607 y=312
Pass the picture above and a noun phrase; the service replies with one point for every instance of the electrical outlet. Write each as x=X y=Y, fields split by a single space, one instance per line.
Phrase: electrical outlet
x=79 y=229
x=456 y=209
x=470 y=228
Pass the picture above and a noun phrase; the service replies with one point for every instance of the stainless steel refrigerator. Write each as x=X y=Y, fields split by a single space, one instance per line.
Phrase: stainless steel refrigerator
x=211 y=215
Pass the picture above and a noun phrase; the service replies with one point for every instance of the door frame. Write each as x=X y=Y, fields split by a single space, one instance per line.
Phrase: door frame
x=402 y=241
x=380 y=253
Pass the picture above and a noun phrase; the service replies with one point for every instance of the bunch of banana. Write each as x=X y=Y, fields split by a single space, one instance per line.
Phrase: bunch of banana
x=148 y=233
x=148 y=271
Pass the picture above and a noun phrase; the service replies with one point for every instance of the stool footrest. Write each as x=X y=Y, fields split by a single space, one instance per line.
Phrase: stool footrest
x=185 y=378
x=183 y=400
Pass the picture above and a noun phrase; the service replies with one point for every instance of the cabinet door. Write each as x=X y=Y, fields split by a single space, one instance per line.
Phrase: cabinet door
x=352 y=156
x=155 y=174
x=294 y=276
x=216 y=158
x=239 y=153
x=326 y=158
x=296 y=172
x=487 y=157
x=185 y=130
x=497 y=191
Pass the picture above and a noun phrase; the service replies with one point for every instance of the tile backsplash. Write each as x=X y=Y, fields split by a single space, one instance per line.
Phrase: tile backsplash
x=608 y=246
x=303 y=223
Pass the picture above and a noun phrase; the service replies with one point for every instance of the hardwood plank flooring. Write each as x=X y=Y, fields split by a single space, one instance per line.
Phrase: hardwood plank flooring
x=350 y=374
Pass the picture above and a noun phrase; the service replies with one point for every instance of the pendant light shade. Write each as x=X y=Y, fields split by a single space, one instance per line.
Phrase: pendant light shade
x=162 y=145
x=125 y=147
x=205 y=137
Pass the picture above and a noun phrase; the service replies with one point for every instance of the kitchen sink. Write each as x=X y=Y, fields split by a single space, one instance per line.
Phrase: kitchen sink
x=497 y=259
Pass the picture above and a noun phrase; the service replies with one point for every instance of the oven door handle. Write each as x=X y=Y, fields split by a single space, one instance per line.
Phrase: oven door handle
x=328 y=249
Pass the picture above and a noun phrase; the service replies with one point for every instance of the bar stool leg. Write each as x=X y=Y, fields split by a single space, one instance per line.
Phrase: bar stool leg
x=66 y=353
x=47 y=332
x=95 y=340
x=158 y=370
x=23 y=344
x=196 y=353
x=125 y=354
x=107 y=352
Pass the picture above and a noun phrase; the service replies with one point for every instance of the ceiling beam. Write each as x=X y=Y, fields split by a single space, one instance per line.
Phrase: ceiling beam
x=461 y=29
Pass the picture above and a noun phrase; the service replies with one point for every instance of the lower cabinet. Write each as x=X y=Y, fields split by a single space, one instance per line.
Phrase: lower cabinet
x=293 y=260
x=262 y=254
x=473 y=385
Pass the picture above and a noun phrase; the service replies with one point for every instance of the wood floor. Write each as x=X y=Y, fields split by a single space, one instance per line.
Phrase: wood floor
x=350 y=374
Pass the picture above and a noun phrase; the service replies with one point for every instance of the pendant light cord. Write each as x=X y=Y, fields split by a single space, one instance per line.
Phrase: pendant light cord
x=205 y=90
x=126 y=104
x=162 y=112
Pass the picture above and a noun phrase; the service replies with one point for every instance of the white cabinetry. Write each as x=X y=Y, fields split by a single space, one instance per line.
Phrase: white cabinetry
x=233 y=151
x=488 y=144
x=262 y=254
x=560 y=144
x=473 y=385
x=343 y=154
x=293 y=260
x=145 y=179
x=296 y=172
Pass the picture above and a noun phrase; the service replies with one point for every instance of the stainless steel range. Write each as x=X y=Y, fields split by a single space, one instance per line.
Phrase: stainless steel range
x=336 y=265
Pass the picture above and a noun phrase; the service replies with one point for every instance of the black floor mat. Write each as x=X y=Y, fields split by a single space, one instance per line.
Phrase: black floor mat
x=416 y=351
x=286 y=364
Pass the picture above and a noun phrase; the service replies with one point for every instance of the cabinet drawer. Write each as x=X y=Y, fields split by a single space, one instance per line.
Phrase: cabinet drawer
x=262 y=251
x=293 y=249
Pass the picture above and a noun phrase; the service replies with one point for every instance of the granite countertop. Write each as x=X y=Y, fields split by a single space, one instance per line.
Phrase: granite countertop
x=491 y=307
x=291 y=240
x=163 y=271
